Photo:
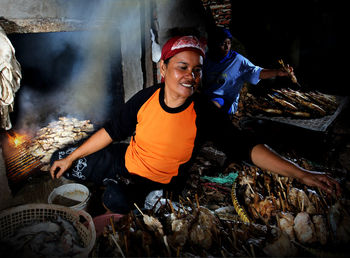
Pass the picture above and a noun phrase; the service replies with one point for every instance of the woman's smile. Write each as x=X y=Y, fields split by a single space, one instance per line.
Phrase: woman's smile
x=182 y=75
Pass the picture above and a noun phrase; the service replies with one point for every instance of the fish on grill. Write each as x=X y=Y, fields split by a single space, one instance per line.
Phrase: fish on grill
x=35 y=154
x=327 y=101
x=302 y=101
x=262 y=104
x=280 y=100
x=57 y=135
x=291 y=103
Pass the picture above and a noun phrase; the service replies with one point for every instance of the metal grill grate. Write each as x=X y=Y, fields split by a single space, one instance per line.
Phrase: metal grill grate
x=315 y=124
x=21 y=164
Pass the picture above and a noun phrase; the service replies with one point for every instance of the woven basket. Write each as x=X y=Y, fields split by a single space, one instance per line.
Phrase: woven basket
x=20 y=216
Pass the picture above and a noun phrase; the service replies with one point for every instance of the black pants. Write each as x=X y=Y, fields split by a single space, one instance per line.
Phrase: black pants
x=107 y=167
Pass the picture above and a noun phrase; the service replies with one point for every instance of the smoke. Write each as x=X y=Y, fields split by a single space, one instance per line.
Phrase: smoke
x=79 y=68
x=88 y=89
x=82 y=87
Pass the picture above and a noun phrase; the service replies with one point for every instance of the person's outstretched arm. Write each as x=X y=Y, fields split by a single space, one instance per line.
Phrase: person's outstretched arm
x=96 y=142
x=271 y=73
x=265 y=158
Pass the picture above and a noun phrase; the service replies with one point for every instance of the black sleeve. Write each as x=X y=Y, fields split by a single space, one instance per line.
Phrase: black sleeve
x=124 y=120
x=217 y=127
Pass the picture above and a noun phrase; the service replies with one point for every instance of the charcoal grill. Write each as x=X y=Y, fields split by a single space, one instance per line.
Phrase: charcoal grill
x=21 y=164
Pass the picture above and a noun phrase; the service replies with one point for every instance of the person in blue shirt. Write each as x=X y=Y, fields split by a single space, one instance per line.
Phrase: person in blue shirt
x=225 y=72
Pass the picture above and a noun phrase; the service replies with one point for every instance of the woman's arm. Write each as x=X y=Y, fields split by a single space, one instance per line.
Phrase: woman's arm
x=96 y=142
x=265 y=158
x=270 y=73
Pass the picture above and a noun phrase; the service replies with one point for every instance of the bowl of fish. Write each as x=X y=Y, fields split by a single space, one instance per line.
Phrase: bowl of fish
x=46 y=230
x=75 y=196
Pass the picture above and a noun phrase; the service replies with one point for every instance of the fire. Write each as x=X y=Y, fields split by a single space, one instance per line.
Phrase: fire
x=16 y=139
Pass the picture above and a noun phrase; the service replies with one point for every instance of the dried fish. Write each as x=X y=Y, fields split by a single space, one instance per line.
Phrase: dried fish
x=262 y=208
x=285 y=223
x=339 y=220
x=304 y=228
x=303 y=100
x=152 y=222
x=280 y=245
x=180 y=228
x=286 y=69
x=321 y=229
x=282 y=102
x=303 y=219
x=57 y=135
x=289 y=102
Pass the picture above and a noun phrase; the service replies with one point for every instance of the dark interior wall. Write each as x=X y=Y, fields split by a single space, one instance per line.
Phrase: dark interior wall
x=305 y=34
x=51 y=64
x=180 y=17
x=46 y=66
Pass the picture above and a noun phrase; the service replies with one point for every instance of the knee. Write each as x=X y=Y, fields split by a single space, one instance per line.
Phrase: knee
x=114 y=200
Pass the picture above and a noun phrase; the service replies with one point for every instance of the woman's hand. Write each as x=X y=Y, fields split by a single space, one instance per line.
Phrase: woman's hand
x=62 y=165
x=272 y=73
x=96 y=142
x=321 y=180
x=265 y=158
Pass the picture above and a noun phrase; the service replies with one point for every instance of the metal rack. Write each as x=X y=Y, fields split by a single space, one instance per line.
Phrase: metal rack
x=315 y=124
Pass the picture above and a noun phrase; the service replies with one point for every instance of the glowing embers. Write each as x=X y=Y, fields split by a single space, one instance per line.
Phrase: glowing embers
x=20 y=164
x=16 y=139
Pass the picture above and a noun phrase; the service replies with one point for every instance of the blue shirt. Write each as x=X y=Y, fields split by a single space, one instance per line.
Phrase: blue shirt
x=224 y=79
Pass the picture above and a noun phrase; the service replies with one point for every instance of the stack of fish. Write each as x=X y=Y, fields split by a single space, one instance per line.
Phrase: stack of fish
x=57 y=135
x=304 y=216
x=187 y=231
x=293 y=103
x=297 y=220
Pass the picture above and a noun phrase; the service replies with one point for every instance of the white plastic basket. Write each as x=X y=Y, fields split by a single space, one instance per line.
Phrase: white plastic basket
x=20 y=216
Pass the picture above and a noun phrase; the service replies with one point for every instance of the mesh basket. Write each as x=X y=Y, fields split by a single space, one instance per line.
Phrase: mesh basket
x=20 y=216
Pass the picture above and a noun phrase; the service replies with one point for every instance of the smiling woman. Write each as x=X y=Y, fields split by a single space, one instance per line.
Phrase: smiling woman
x=181 y=67
x=167 y=124
x=182 y=74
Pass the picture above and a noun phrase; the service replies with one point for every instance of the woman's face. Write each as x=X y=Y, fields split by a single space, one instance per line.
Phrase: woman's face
x=225 y=47
x=183 y=73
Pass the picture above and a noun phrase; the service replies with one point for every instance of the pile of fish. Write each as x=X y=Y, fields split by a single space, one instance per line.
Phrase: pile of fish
x=188 y=231
x=304 y=216
x=57 y=135
x=260 y=214
x=292 y=103
x=52 y=238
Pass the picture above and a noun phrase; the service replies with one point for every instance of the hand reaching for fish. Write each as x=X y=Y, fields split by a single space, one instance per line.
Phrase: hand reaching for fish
x=322 y=181
x=59 y=167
